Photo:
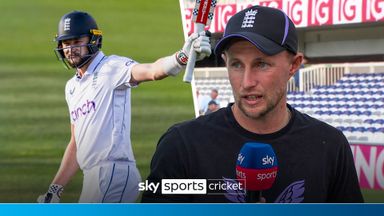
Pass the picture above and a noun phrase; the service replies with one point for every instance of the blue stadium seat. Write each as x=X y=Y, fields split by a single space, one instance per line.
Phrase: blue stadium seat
x=354 y=104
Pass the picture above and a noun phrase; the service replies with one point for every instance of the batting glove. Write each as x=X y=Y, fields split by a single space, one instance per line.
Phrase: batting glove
x=53 y=195
x=199 y=42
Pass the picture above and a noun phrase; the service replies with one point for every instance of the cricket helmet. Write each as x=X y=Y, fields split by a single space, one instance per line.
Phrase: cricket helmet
x=77 y=24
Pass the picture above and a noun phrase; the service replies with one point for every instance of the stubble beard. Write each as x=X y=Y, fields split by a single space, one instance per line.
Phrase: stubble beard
x=271 y=104
x=74 y=60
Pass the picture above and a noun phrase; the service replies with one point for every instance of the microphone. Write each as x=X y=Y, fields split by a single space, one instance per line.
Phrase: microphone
x=257 y=166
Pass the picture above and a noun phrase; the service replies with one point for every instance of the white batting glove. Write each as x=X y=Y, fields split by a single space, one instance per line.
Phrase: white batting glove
x=53 y=195
x=199 y=42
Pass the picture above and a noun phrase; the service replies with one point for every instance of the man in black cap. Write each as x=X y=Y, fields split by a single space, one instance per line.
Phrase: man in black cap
x=259 y=49
x=212 y=107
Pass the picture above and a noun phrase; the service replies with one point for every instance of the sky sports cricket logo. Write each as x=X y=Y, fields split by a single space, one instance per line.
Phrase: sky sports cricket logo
x=194 y=186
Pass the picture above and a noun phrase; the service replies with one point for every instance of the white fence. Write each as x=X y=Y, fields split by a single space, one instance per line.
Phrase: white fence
x=319 y=75
x=328 y=74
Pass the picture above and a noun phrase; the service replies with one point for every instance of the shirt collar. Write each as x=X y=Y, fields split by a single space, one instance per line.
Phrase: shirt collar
x=95 y=62
x=92 y=67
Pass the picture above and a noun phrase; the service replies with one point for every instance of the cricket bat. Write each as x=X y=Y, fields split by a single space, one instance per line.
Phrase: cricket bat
x=202 y=16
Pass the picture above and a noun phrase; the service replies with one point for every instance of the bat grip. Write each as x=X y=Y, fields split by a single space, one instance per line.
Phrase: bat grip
x=192 y=58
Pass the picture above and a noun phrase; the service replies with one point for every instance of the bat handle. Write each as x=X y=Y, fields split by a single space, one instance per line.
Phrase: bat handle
x=192 y=58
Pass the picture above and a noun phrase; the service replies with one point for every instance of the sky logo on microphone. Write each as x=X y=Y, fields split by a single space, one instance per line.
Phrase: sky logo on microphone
x=257 y=165
x=267 y=160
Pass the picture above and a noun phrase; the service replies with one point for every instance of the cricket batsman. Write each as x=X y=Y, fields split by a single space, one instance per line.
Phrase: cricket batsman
x=99 y=103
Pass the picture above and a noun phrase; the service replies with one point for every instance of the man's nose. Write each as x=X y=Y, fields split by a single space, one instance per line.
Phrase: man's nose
x=249 y=78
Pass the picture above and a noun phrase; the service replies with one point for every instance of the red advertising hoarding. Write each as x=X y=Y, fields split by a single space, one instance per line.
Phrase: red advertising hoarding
x=304 y=13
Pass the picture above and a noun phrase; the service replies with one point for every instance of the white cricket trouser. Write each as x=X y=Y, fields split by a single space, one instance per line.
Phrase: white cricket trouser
x=111 y=182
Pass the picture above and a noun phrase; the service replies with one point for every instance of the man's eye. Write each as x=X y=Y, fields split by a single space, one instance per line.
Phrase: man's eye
x=262 y=65
x=236 y=65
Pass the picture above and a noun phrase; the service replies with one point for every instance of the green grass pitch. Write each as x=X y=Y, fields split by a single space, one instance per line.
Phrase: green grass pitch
x=34 y=122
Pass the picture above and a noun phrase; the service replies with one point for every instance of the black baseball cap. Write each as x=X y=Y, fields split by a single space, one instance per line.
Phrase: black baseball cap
x=269 y=29
x=212 y=102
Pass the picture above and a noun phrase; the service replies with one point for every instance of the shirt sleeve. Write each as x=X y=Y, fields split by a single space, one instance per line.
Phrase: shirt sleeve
x=170 y=161
x=122 y=69
x=345 y=187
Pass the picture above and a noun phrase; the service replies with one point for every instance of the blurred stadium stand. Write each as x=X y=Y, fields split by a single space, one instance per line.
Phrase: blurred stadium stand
x=354 y=103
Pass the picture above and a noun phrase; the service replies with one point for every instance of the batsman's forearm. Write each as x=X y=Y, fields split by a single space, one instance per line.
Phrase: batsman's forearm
x=68 y=166
x=164 y=67
x=161 y=68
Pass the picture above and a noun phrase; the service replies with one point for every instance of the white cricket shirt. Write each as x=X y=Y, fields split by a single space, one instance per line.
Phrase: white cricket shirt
x=100 y=109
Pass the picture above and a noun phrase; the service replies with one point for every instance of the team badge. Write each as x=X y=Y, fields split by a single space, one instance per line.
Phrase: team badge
x=181 y=58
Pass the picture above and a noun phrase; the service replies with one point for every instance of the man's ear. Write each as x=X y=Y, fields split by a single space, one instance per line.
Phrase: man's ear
x=224 y=57
x=297 y=61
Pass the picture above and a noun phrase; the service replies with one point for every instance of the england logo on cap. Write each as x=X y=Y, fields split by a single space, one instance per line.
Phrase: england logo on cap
x=67 y=24
x=249 y=19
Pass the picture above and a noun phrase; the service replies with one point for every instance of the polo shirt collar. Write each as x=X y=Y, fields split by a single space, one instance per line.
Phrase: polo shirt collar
x=95 y=62
x=92 y=67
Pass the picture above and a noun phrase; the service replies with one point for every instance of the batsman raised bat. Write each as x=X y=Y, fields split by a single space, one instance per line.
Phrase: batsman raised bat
x=202 y=16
